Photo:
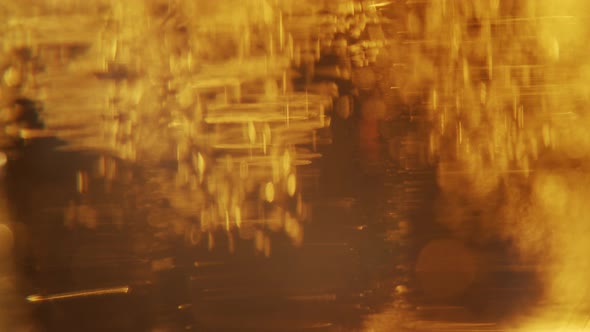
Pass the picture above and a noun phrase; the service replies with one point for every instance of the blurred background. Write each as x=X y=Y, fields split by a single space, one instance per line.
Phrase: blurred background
x=281 y=165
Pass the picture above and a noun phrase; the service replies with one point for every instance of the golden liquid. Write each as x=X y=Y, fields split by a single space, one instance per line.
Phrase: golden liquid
x=499 y=88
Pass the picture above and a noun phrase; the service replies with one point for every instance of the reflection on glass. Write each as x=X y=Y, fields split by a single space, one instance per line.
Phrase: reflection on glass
x=165 y=156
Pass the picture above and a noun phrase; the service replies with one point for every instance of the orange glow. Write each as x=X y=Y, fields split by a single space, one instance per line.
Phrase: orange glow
x=213 y=101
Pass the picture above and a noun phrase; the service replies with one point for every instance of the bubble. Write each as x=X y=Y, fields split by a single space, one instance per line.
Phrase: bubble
x=445 y=268
x=12 y=77
x=553 y=49
x=6 y=240
x=269 y=192
x=343 y=109
x=286 y=162
x=291 y=185
x=251 y=132
x=401 y=289
x=210 y=241
x=195 y=235
x=237 y=214
x=3 y=159
x=259 y=241
x=267 y=246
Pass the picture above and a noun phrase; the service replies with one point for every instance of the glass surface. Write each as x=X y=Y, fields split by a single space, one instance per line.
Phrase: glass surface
x=280 y=165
